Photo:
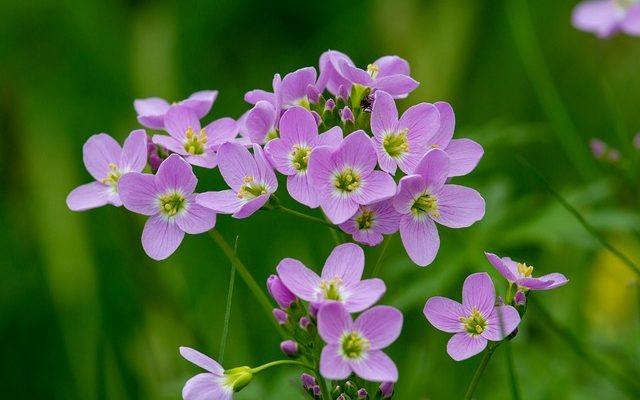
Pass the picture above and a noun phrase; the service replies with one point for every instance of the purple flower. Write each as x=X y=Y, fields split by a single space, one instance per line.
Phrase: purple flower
x=401 y=143
x=605 y=18
x=151 y=111
x=370 y=222
x=213 y=384
x=281 y=316
x=386 y=389
x=293 y=91
x=356 y=346
x=168 y=199
x=424 y=198
x=340 y=280
x=290 y=152
x=289 y=348
x=279 y=292
x=250 y=177
x=474 y=321
x=106 y=161
x=345 y=177
x=261 y=122
x=187 y=138
x=389 y=73
x=521 y=274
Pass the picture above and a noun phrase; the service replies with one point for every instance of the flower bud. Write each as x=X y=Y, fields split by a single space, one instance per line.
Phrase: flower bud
x=636 y=141
x=308 y=381
x=362 y=393
x=317 y=391
x=238 y=378
x=289 y=347
x=520 y=299
x=386 y=390
x=317 y=117
x=281 y=316
x=313 y=94
x=279 y=292
x=304 y=322
x=343 y=93
x=329 y=105
x=341 y=397
x=598 y=147
x=313 y=309
x=614 y=155
x=346 y=115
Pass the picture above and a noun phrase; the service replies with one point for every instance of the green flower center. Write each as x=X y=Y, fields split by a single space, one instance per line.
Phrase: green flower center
x=331 y=288
x=300 y=157
x=172 y=203
x=272 y=134
x=112 y=177
x=365 y=220
x=425 y=204
x=195 y=143
x=474 y=324
x=347 y=180
x=396 y=144
x=251 y=189
x=525 y=270
x=353 y=345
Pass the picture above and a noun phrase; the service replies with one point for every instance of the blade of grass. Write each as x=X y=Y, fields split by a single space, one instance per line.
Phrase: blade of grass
x=513 y=379
x=227 y=312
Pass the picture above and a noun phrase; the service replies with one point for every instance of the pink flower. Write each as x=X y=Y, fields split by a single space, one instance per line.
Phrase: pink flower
x=370 y=222
x=521 y=274
x=151 y=111
x=605 y=18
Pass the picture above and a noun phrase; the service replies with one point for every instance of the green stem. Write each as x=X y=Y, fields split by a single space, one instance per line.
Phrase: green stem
x=323 y=387
x=513 y=380
x=479 y=371
x=306 y=216
x=282 y=362
x=247 y=278
x=585 y=224
x=227 y=313
x=383 y=253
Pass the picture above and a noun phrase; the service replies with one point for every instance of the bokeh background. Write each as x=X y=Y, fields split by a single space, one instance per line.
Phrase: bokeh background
x=84 y=314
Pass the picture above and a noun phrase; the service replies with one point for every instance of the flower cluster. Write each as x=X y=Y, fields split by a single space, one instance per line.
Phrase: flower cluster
x=605 y=18
x=482 y=317
x=338 y=138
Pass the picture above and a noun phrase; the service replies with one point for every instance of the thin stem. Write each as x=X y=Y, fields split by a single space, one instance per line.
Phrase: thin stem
x=247 y=278
x=306 y=216
x=585 y=224
x=479 y=371
x=282 y=362
x=227 y=313
x=383 y=253
x=513 y=380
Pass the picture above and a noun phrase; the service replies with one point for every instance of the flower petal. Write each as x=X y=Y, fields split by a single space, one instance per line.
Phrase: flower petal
x=464 y=156
x=459 y=206
x=251 y=206
x=170 y=143
x=422 y=121
x=196 y=219
x=376 y=366
x=381 y=325
x=500 y=264
x=384 y=115
x=364 y=294
x=478 y=291
x=545 y=282
x=294 y=85
x=392 y=65
x=205 y=387
x=598 y=16
x=265 y=170
x=256 y=95
x=420 y=239
x=151 y=111
x=201 y=102
x=331 y=138
x=138 y=193
x=279 y=152
x=98 y=152
x=134 y=152
x=299 y=279
x=175 y=174
x=356 y=151
x=434 y=167
x=206 y=160
x=443 y=136
x=631 y=23
x=375 y=187
x=201 y=360
x=502 y=321
x=462 y=346
x=260 y=121
x=223 y=202
x=443 y=313
x=302 y=191
x=161 y=237
x=346 y=262
x=338 y=208
x=179 y=119
x=332 y=365
x=221 y=131
x=88 y=196
x=297 y=126
x=398 y=86
x=409 y=189
x=235 y=163
x=321 y=167
x=333 y=321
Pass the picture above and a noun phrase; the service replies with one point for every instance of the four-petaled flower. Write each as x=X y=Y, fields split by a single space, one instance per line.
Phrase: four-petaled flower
x=357 y=346
x=372 y=221
x=401 y=143
x=474 y=321
x=168 y=198
x=250 y=178
x=290 y=152
x=345 y=177
x=106 y=161
x=151 y=111
x=340 y=280
x=521 y=274
x=605 y=18
x=197 y=145
x=424 y=198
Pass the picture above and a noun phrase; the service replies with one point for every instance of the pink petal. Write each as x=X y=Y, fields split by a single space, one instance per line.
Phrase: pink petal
x=545 y=282
x=299 y=279
x=196 y=219
x=447 y=125
x=254 y=96
x=169 y=143
x=375 y=187
x=356 y=151
x=279 y=152
x=332 y=365
x=478 y=291
x=205 y=386
x=345 y=261
x=223 y=202
x=297 y=126
x=338 y=208
x=88 y=196
x=201 y=360
x=368 y=237
x=134 y=152
x=499 y=264
x=459 y=206
x=420 y=239
x=331 y=138
x=161 y=237
x=392 y=65
x=462 y=346
x=364 y=294
x=294 y=85
x=502 y=321
x=398 y=86
x=410 y=188
x=201 y=102
x=98 y=152
x=180 y=118
x=434 y=167
x=265 y=170
x=381 y=325
x=384 y=115
x=151 y=111
x=251 y=206
x=422 y=120
x=221 y=131
x=387 y=219
x=260 y=120
x=235 y=163
x=598 y=16
x=443 y=313
x=321 y=167
x=631 y=23
x=175 y=174
x=333 y=321
x=138 y=193
x=464 y=156
x=376 y=366
x=206 y=160
x=302 y=191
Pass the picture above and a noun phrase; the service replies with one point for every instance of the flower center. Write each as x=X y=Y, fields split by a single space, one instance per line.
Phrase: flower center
x=373 y=70
x=475 y=323
x=624 y=4
x=365 y=220
x=347 y=180
x=251 y=189
x=425 y=204
x=172 y=203
x=353 y=345
x=272 y=134
x=112 y=177
x=331 y=288
x=195 y=143
x=300 y=157
x=396 y=144
x=525 y=270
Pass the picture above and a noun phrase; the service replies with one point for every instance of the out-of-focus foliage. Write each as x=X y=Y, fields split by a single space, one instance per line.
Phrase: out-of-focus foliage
x=84 y=314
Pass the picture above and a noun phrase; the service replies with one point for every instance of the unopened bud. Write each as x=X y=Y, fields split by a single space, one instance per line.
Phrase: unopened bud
x=281 y=316
x=289 y=347
x=362 y=393
x=238 y=378
x=346 y=115
x=329 y=105
x=386 y=390
x=313 y=94
x=520 y=299
x=304 y=322
x=308 y=381
x=280 y=293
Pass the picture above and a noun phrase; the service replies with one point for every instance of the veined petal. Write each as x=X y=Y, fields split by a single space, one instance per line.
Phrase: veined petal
x=170 y=143
x=333 y=321
x=297 y=126
x=443 y=136
x=134 y=152
x=138 y=193
x=196 y=219
x=235 y=163
x=443 y=313
x=294 y=84
x=302 y=191
x=201 y=360
x=201 y=102
x=384 y=115
x=364 y=294
x=459 y=206
x=337 y=208
x=392 y=65
x=434 y=167
x=502 y=321
x=175 y=174
x=398 y=86
x=205 y=386
x=478 y=291
x=422 y=121
x=161 y=237
x=409 y=189
x=375 y=187
x=332 y=364
x=206 y=160
x=376 y=366
x=502 y=267
x=279 y=152
x=381 y=325
x=331 y=138
x=299 y=279
x=545 y=282
x=223 y=202
x=357 y=152
x=464 y=156
x=321 y=167
x=265 y=170
x=462 y=346
x=346 y=262
x=88 y=196
x=259 y=121
x=254 y=96
x=151 y=111
x=98 y=152
x=251 y=206
x=179 y=119
x=420 y=239
x=221 y=131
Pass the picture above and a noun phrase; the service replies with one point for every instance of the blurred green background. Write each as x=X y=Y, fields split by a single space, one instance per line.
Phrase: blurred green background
x=86 y=315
